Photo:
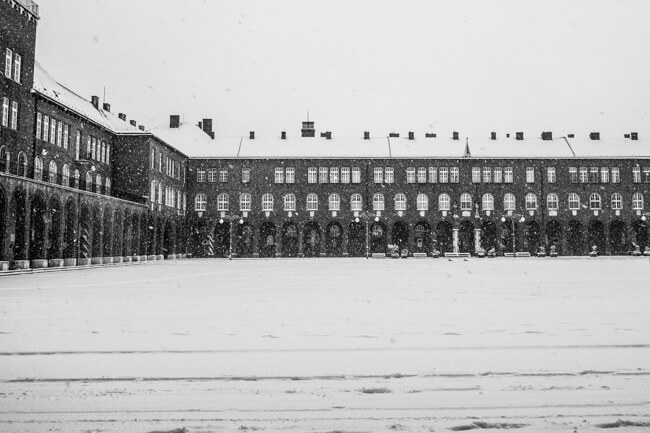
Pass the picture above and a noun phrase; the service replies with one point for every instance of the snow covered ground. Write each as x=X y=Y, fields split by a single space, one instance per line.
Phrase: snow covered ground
x=348 y=345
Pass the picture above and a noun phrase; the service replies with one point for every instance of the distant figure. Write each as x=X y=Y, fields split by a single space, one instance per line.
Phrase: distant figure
x=637 y=250
x=594 y=251
x=646 y=251
x=541 y=251
x=553 y=252
x=435 y=254
x=481 y=253
x=492 y=253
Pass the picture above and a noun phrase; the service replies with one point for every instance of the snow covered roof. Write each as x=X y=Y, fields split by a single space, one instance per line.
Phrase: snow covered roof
x=47 y=86
x=193 y=142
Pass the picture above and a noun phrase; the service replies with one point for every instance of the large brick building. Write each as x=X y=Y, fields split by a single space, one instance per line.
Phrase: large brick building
x=80 y=185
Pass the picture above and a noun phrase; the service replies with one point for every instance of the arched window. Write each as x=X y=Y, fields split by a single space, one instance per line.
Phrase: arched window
x=356 y=203
x=245 y=202
x=200 y=202
x=617 y=201
x=465 y=202
x=378 y=202
x=637 y=201
x=312 y=202
x=98 y=184
x=38 y=168
x=290 y=203
x=22 y=164
x=594 y=201
x=65 y=175
x=107 y=186
x=52 y=172
x=76 y=178
x=531 y=201
x=223 y=202
x=334 y=202
x=487 y=202
x=552 y=202
x=574 y=201
x=422 y=202
x=400 y=201
x=444 y=202
x=267 y=202
x=89 y=181
x=509 y=202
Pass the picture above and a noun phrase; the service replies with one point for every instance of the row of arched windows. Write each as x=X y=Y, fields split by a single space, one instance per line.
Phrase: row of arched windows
x=52 y=177
x=422 y=202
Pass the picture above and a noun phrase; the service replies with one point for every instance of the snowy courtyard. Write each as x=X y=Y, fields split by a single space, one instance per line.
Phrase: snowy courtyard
x=324 y=345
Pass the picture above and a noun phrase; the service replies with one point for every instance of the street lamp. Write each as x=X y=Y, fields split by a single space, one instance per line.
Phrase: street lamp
x=230 y=219
x=512 y=222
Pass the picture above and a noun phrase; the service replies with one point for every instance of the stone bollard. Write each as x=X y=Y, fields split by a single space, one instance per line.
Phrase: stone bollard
x=83 y=262
x=39 y=263
x=20 y=264
x=55 y=263
x=4 y=266
x=69 y=262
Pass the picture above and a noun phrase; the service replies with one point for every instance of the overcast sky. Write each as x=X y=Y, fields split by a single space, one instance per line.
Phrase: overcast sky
x=472 y=66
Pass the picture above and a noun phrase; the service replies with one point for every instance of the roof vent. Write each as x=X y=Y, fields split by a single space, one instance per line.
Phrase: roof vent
x=141 y=127
x=366 y=135
x=493 y=135
x=634 y=135
x=394 y=135
x=594 y=135
x=429 y=135
x=519 y=136
x=174 y=121
x=547 y=135
x=455 y=135
x=507 y=135
x=95 y=101
x=107 y=107
x=327 y=135
x=411 y=135
x=251 y=135
x=283 y=135
x=133 y=123
x=122 y=116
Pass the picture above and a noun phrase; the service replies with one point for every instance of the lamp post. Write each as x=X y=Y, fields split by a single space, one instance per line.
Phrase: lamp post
x=230 y=219
x=512 y=222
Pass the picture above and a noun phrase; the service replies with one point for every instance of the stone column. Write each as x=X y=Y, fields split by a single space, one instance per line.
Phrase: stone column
x=455 y=240
x=477 y=240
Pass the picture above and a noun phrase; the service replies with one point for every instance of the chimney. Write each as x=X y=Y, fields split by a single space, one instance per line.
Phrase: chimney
x=133 y=123
x=519 y=136
x=366 y=135
x=308 y=129
x=634 y=135
x=394 y=135
x=122 y=116
x=571 y=135
x=174 y=121
x=107 y=107
x=207 y=127
x=547 y=135
x=95 y=101
x=251 y=135
x=493 y=135
x=283 y=135
x=429 y=135
x=594 y=135
x=141 y=127
x=411 y=135
x=328 y=135
x=455 y=135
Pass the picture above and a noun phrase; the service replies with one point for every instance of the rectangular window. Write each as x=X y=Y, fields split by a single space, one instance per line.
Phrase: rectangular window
x=593 y=175
x=14 y=115
x=508 y=175
x=212 y=175
x=93 y=148
x=345 y=174
x=334 y=175
x=279 y=175
x=573 y=174
x=443 y=175
x=223 y=175
x=422 y=175
x=66 y=136
x=584 y=175
x=5 y=112
x=454 y=175
x=8 y=62
x=153 y=159
x=487 y=175
x=39 y=126
x=636 y=174
x=498 y=175
x=550 y=174
x=160 y=157
x=88 y=143
x=604 y=175
x=200 y=175
x=77 y=145
x=646 y=174
x=59 y=135
x=245 y=175
x=52 y=131
x=410 y=175
x=108 y=153
x=17 y=67
x=433 y=174
x=389 y=175
x=379 y=175
x=290 y=175
x=616 y=175
x=312 y=175
x=530 y=175
x=476 y=174
x=322 y=174
x=356 y=175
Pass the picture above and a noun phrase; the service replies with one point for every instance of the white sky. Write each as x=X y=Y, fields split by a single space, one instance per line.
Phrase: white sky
x=378 y=65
